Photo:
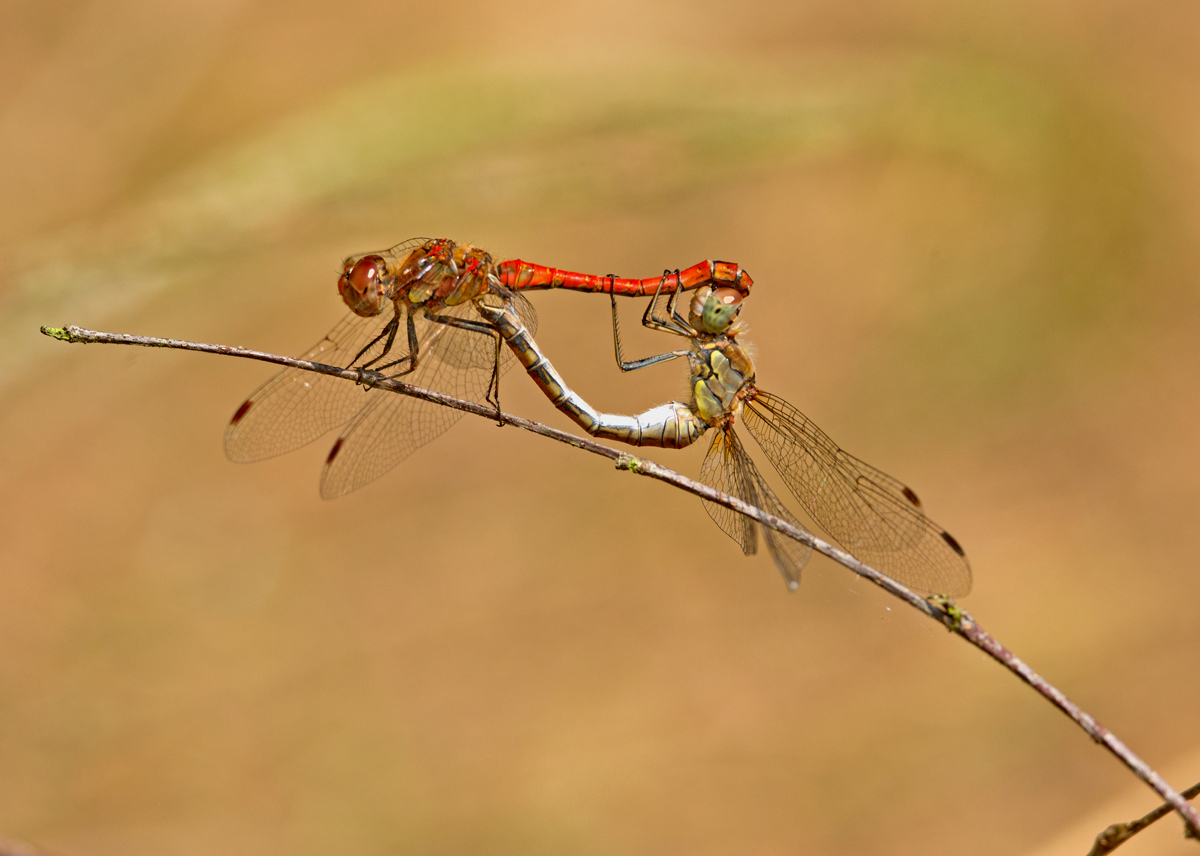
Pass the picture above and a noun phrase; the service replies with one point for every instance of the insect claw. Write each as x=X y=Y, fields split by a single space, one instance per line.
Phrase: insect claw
x=366 y=379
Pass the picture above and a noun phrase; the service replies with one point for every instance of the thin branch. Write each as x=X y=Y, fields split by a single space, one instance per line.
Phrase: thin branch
x=1117 y=834
x=941 y=609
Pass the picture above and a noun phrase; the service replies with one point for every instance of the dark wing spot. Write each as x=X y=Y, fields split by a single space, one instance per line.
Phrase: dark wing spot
x=954 y=545
x=241 y=412
x=337 y=447
x=912 y=497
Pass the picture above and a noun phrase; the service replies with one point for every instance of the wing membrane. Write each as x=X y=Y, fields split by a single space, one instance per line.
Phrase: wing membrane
x=728 y=468
x=391 y=427
x=722 y=470
x=295 y=407
x=872 y=515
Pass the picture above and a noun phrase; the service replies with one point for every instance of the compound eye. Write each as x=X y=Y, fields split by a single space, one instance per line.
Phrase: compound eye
x=721 y=307
x=730 y=297
x=365 y=273
x=361 y=286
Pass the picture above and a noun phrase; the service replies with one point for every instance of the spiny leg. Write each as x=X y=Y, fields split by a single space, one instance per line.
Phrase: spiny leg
x=492 y=396
x=414 y=350
x=635 y=364
x=389 y=330
x=672 y=318
x=650 y=317
x=673 y=303
x=495 y=385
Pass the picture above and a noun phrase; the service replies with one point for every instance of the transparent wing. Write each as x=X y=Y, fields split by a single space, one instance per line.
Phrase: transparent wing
x=400 y=250
x=497 y=296
x=391 y=427
x=870 y=514
x=728 y=468
x=295 y=407
x=722 y=470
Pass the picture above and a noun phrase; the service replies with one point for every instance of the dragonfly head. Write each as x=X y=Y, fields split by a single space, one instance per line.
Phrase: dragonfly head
x=362 y=284
x=713 y=310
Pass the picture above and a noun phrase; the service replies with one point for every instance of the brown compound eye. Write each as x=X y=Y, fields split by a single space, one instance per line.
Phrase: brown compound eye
x=728 y=296
x=365 y=273
x=361 y=285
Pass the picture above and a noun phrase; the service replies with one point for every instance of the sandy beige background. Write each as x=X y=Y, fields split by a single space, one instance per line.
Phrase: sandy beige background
x=973 y=229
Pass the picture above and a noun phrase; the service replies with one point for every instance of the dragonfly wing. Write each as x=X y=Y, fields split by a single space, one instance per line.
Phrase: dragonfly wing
x=519 y=303
x=295 y=407
x=524 y=310
x=382 y=435
x=872 y=515
x=724 y=471
x=403 y=248
x=455 y=361
x=728 y=468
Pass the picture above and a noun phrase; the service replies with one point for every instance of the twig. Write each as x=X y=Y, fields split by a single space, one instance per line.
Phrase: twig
x=941 y=609
x=1117 y=834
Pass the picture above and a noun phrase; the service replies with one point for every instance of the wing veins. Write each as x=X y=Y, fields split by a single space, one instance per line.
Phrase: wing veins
x=868 y=512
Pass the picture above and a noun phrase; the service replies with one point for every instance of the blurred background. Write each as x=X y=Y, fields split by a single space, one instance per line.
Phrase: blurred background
x=973 y=231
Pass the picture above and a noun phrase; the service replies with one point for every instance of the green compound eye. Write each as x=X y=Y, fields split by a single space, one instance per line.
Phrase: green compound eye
x=721 y=307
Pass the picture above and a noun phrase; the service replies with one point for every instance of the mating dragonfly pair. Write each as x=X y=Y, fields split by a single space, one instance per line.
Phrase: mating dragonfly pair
x=458 y=310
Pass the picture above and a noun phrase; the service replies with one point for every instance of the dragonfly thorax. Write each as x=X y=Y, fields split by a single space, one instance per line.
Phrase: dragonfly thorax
x=722 y=375
x=451 y=275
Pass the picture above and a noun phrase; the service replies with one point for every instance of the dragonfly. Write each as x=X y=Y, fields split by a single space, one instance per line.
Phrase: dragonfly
x=874 y=516
x=427 y=292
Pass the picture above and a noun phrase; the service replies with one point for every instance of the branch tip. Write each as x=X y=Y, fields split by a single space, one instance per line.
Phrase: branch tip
x=61 y=333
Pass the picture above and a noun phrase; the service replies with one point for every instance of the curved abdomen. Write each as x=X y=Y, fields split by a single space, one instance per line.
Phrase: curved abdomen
x=672 y=425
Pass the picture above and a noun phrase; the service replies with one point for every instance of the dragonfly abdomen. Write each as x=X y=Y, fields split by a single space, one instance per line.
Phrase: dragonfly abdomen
x=526 y=276
x=671 y=426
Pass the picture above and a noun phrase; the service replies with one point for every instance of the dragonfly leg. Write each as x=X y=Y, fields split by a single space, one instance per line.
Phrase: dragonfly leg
x=673 y=303
x=650 y=317
x=367 y=375
x=492 y=396
x=495 y=385
x=636 y=364
x=414 y=350
x=389 y=331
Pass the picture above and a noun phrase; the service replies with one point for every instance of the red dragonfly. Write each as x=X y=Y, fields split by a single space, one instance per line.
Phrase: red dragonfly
x=433 y=289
